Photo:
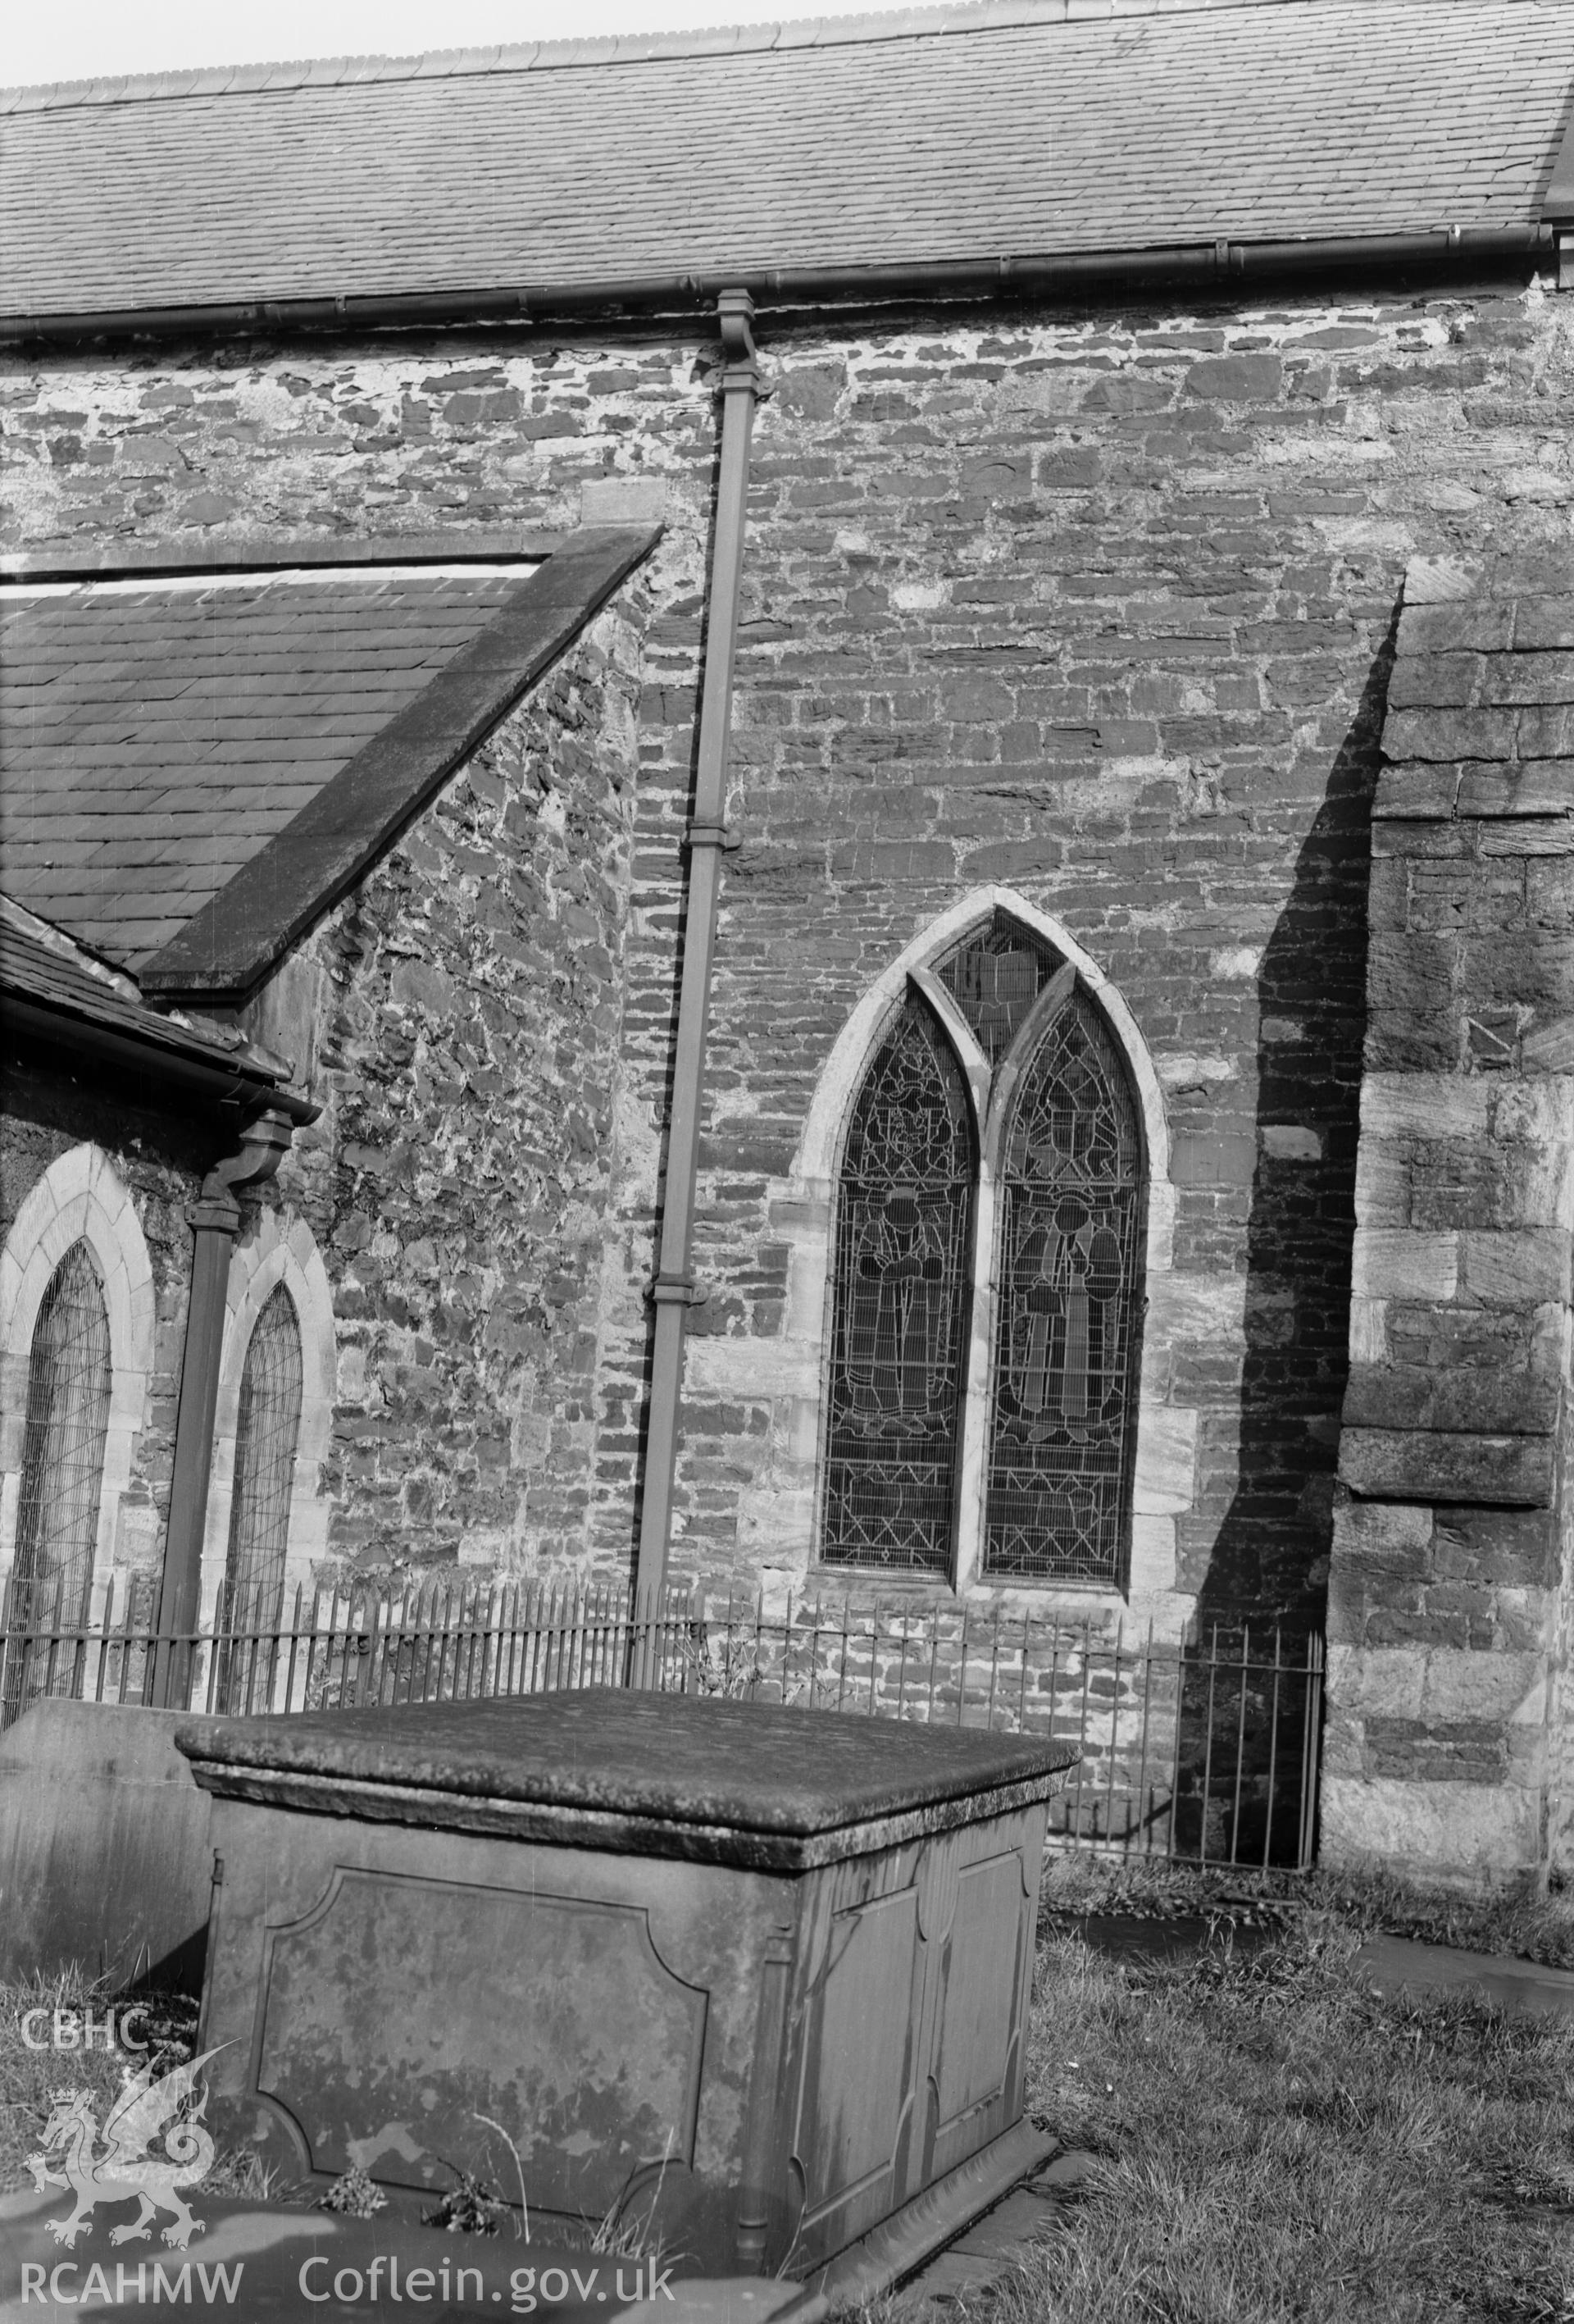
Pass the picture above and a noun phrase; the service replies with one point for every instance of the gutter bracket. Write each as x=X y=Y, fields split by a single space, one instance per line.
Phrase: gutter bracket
x=264 y=1142
x=740 y=370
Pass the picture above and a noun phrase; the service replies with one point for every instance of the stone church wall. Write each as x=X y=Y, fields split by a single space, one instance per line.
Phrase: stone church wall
x=1445 y=1741
x=1095 y=610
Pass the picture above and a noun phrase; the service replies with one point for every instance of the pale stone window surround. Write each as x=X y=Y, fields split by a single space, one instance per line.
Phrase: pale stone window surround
x=80 y=1196
x=276 y=1249
x=777 y=1519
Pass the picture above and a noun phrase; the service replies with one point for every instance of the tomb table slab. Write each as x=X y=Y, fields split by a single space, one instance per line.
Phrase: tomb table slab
x=760 y=1974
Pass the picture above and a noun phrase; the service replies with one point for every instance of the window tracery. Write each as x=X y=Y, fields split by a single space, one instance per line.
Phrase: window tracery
x=995 y=977
x=1061 y=1143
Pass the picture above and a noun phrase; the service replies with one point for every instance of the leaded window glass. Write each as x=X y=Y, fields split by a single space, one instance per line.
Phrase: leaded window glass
x=63 y=1443
x=64 y=1436
x=267 y=1430
x=1056 y=1407
x=903 y=1236
x=995 y=977
x=1065 y=1334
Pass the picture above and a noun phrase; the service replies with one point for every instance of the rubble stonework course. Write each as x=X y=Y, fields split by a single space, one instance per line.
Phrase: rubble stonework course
x=1444 y=1623
x=464 y=1007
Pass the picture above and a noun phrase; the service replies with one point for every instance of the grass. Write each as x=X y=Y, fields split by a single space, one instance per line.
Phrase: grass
x=28 y=2075
x=1273 y=2142
x=1535 y=1927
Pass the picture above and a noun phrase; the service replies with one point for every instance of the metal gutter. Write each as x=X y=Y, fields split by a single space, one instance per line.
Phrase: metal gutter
x=193 y=1076
x=673 y=1291
x=1045 y=275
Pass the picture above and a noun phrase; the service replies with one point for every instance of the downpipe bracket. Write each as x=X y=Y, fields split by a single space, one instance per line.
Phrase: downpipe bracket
x=677 y=1291
x=713 y=834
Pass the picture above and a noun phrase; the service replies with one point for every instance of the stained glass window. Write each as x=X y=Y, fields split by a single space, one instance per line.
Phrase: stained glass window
x=995 y=977
x=1065 y=1338
x=1062 y=1385
x=266 y=1433
x=903 y=1257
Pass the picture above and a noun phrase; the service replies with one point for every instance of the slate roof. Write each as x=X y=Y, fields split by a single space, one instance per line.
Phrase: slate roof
x=153 y=740
x=1020 y=128
x=190 y=775
x=230 y=944
x=47 y=980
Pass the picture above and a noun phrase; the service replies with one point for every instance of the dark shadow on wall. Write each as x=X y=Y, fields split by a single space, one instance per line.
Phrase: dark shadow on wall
x=1266 y=1566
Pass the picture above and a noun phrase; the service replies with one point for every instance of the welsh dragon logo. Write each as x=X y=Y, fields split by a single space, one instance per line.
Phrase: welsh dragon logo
x=124 y=2169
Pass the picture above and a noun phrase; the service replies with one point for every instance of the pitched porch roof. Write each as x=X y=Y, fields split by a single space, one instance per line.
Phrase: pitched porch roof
x=192 y=772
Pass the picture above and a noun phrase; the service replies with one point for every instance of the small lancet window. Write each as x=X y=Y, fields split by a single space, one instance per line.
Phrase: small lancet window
x=267 y=1432
x=63 y=1445
x=1065 y=1335
x=904 y=1238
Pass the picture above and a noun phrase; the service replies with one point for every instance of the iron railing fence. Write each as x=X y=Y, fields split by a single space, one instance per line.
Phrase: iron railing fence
x=1203 y=1749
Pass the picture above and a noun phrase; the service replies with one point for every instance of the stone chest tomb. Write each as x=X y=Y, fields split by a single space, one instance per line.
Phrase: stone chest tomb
x=761 y=1974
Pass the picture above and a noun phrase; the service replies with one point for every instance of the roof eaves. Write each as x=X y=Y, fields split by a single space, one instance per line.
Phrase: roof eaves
x=226 y=949
x=191 y=1067
x=55 y=990
x=1439 y=249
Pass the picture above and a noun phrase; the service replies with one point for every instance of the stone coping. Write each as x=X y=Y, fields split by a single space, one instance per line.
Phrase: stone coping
x=719 y=1781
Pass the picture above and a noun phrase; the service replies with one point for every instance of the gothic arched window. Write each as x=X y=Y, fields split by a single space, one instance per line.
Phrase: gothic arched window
x=904 y=1232
x=68 y=1385
x=1040 y=1100
x=267 y=1432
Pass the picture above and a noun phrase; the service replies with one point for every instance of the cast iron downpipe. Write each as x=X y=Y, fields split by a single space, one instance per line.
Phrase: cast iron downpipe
x=673 y=1290
x=214 y=1220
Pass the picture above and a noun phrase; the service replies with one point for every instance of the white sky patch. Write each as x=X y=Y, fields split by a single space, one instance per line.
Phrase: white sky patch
x=100 y=38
